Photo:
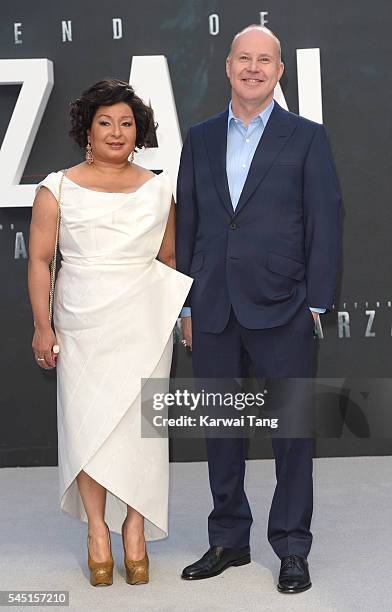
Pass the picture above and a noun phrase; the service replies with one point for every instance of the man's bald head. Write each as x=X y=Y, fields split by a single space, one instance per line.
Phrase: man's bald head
x=257 y=28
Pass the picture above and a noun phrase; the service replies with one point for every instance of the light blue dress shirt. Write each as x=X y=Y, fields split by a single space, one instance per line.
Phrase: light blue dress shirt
x=241 y=146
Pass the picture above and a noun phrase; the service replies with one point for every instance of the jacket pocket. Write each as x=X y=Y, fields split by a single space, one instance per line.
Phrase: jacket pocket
x=286 y=266
x=287 y=163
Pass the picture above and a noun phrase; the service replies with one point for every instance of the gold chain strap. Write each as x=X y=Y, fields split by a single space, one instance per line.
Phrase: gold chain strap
x=54 y=259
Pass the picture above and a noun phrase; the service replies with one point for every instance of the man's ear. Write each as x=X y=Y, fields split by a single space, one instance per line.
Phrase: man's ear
x=228 y=66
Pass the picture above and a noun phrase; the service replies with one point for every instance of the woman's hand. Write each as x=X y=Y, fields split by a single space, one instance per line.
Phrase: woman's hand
x=43 y=342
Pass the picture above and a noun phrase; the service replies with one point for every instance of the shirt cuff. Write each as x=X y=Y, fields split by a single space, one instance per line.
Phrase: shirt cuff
x=319 y=310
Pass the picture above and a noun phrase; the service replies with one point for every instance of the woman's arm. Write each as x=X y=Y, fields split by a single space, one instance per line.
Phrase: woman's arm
x=167 y=252
x=41 y=246
x=167 y=255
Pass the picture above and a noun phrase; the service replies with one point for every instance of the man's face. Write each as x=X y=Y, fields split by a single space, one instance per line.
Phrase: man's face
x=254 y=68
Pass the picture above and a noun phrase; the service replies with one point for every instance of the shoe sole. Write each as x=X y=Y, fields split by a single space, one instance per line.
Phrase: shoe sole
x=285 y=591
x=101 y=584
x=238 y=562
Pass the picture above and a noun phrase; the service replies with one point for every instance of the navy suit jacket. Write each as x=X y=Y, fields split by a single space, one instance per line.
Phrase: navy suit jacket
x=279 y=249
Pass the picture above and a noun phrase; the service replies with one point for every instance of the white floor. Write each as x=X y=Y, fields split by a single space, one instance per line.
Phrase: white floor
x=350 y=562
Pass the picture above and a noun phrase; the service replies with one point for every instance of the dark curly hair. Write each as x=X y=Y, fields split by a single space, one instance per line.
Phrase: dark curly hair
x=106 y=93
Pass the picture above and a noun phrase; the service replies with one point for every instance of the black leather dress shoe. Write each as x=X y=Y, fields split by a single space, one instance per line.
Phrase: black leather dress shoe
x=294 y=575
x=215 y=561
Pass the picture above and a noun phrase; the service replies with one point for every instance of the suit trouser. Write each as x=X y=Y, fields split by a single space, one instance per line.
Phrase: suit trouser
x=285 y=351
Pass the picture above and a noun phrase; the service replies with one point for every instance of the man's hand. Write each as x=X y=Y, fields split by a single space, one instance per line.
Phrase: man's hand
x=186 y=328
x=315 y=315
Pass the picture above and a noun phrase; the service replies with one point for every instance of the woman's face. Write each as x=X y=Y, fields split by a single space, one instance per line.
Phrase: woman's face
x=113 y=133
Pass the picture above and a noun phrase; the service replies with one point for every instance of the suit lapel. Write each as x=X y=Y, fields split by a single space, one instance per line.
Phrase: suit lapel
x=276 y=134
x=215 y=134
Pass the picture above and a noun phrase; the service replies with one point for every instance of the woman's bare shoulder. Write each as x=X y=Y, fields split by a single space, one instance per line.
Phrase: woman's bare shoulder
x=78 y=171
x=143 y=173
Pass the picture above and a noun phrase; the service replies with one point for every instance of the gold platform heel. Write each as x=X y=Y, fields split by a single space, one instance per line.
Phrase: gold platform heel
x=136 y=571
x=101 y=574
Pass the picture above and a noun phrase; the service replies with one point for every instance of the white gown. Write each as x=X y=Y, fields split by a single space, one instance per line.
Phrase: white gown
x=115 y=309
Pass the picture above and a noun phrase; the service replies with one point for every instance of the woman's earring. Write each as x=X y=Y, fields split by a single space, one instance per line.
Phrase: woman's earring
x=89 y=153
x=132 y=156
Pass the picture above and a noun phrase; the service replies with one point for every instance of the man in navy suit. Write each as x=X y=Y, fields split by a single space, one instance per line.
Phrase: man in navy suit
x=258 y=229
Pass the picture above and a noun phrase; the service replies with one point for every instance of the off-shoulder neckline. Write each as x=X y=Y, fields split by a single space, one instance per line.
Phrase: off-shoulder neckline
x=151 y=179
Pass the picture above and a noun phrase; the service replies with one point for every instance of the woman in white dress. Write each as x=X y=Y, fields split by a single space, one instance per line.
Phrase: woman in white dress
x=117 y=299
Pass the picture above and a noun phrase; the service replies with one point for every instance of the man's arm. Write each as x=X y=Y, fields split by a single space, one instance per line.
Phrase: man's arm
x=187 y=219
x=186 y=211
x=322 y=202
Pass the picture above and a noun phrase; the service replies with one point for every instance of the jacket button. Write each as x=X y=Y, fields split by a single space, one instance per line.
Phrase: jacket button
x=233 y=226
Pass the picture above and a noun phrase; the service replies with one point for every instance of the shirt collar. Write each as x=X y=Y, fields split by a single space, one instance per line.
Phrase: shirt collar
x=264 y=115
